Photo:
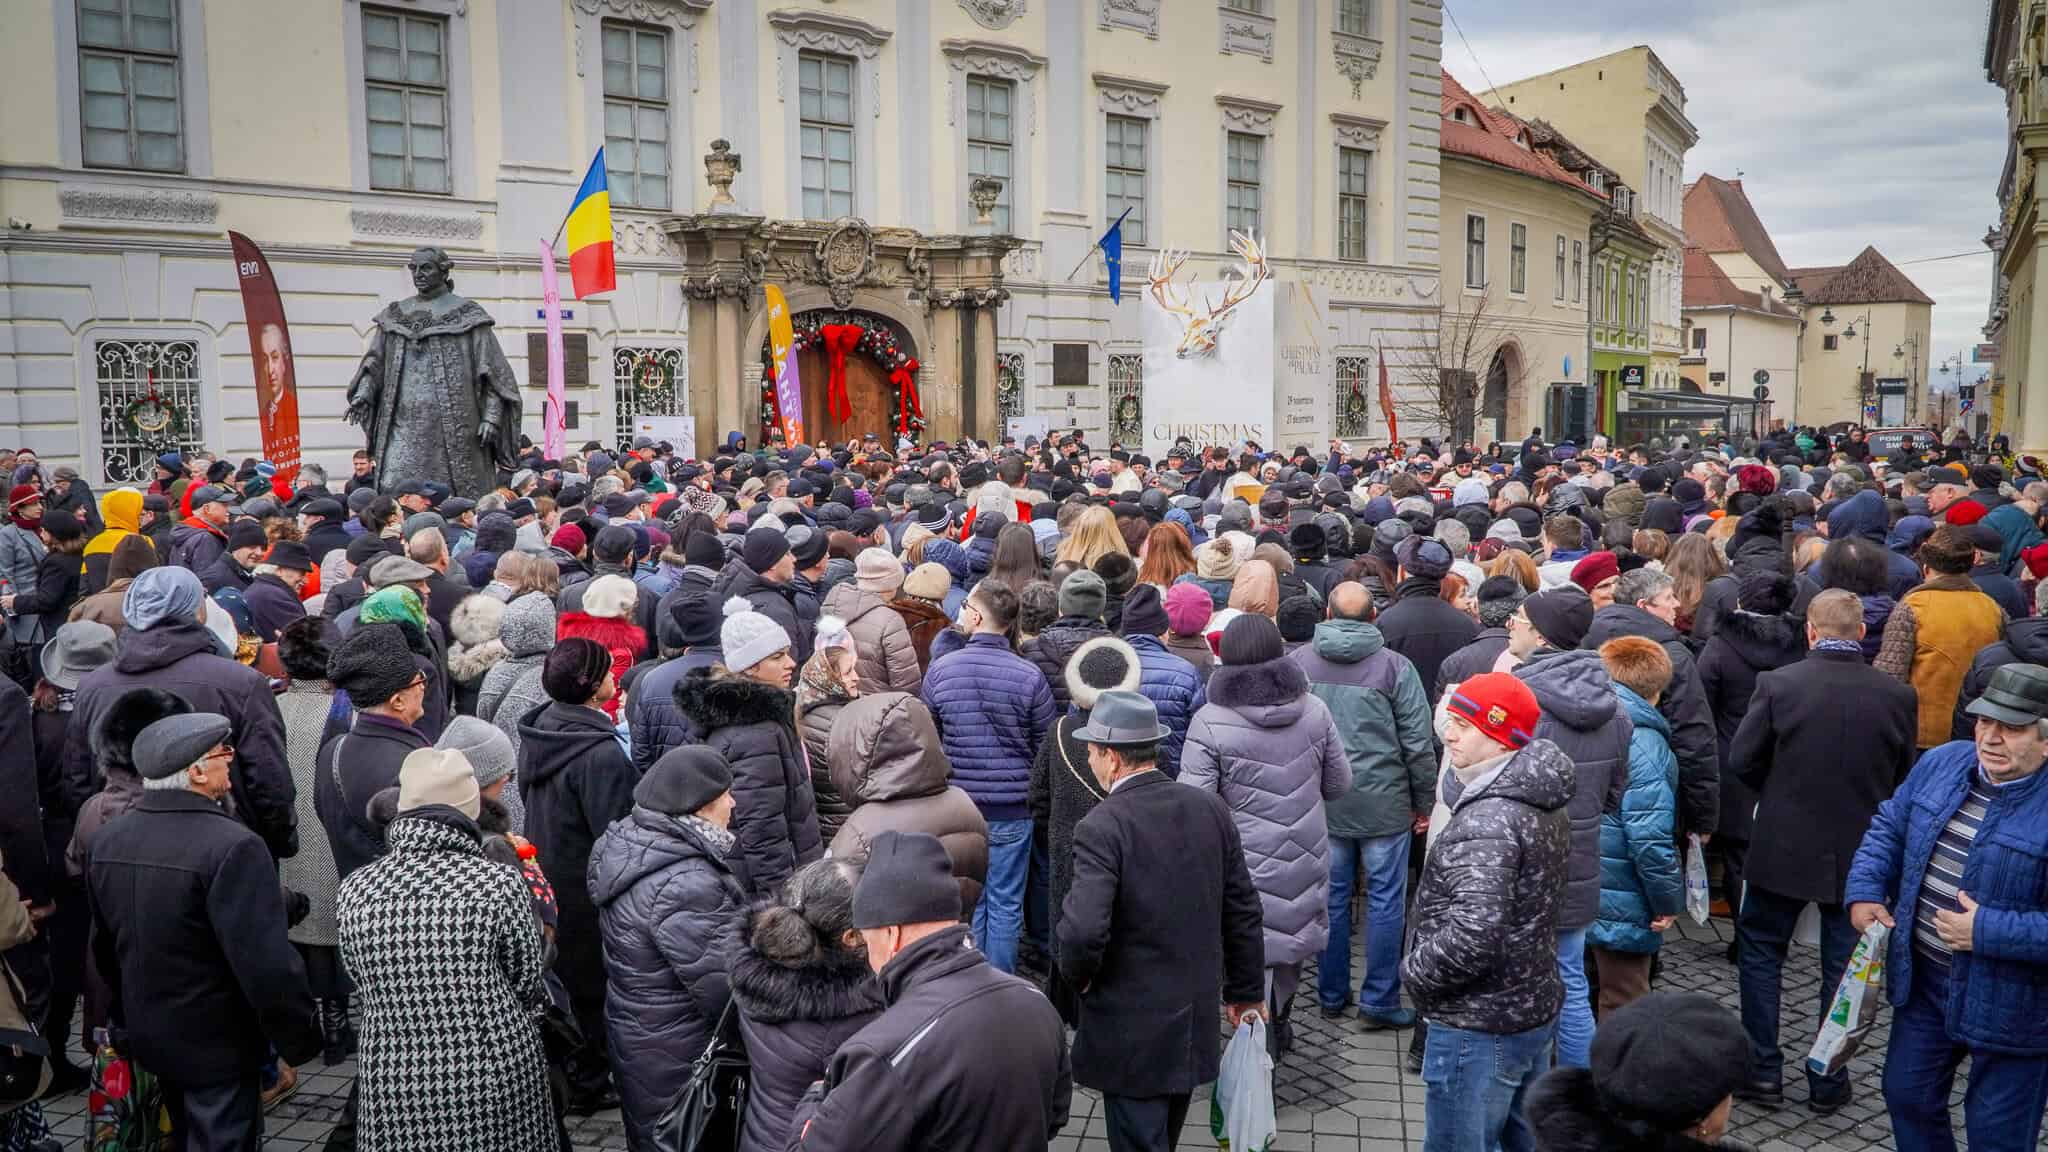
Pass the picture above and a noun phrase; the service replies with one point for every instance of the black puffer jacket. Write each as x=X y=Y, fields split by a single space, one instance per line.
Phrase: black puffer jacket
x=1583 y=718
x=2025 y=640
x=1745 y=646
x=752 y=725
x=818 y=712
x=1568 y=1115
x=669 y=906
x=1684 y=704
x=1052 y=648
x=1486 y=909
x=792 y=1020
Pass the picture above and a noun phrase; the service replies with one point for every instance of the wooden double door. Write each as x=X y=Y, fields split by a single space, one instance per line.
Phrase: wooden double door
x=867 y=393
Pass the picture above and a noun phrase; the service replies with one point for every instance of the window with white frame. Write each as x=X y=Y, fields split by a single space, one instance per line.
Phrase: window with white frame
x=405 y=100
x=825 y=124
x=1475 y=251
x=636 y=96
x=1354 y=411
x=990 y=133
x=128 y=85
x=1243 y=153
x=1643 y=304
x=1699 y=339
x=1123 y=177
x=1578 y=270
x=1354 y=17
x=1354 y=205
x=1557 y=289
x=1256 y=7
x=1628 y=301
x=648 y=382
x=1518 y=259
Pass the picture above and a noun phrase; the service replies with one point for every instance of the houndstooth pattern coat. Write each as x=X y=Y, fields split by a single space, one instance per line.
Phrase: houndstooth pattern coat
x=447 y=961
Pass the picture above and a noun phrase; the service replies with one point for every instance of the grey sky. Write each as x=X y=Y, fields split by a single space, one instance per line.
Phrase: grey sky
x=1852 y=124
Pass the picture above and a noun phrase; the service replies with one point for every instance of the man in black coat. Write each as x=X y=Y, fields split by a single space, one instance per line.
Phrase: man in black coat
x=1160 y=923
x=189 y=935
x=761 y=575
x=326 y=526
x=1645 y=605
x=384 y=683
x=924 y=1075
x=1825 y=741
x=273 y=593
x=1421 y=624
x=362 y=552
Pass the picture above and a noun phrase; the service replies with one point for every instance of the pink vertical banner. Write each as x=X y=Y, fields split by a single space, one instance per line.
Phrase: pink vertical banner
x=551 y=305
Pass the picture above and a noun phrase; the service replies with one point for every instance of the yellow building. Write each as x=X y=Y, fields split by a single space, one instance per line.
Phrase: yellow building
x=339 y=134
x=1865 y=348
x=1740 y=336
x=1514 y=322
x=2015 y=53
x=1627 y=109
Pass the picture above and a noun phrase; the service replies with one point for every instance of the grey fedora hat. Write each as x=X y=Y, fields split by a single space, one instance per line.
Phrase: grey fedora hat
x=79 y=647
x=2017 y=694
x=1122 y=719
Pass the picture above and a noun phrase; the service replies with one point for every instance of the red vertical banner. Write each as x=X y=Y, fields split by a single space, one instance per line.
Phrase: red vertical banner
x=270 y=346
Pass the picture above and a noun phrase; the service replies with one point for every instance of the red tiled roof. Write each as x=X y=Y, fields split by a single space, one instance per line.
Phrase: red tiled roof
x=1720 y=218
x=1868 y=279
x=1707 y=286
x=1491 y=136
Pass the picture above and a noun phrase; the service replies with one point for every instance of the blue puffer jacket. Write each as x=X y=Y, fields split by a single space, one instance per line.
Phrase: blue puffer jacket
x=1639 y=875
x=1998 y=990
x=1175 y=690
x=657 y=724
x=1865 y=515
x=992 y=707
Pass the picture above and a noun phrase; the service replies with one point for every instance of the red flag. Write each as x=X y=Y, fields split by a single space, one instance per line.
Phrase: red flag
x=1387 y=399
x=270 y=345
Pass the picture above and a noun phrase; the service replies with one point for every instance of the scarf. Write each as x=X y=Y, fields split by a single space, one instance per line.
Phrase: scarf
x=1830 y=644
x=393 y=604
x=721 y=840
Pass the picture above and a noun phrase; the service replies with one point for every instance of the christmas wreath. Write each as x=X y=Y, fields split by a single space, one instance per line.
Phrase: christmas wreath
x=651 y=377
x=1127 y=414
x=853 y=333
x=150 y=419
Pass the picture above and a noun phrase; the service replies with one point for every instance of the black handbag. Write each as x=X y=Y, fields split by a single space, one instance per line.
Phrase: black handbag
x=707 y=1117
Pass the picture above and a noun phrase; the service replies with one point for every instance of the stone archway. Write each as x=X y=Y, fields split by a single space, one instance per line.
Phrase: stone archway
x=1500 y=391
x=871 y=395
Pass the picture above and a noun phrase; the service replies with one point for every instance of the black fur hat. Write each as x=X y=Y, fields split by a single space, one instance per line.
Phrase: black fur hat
x=113 y=738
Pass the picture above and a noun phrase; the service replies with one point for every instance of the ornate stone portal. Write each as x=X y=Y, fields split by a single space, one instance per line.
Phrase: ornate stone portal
x=942 y=291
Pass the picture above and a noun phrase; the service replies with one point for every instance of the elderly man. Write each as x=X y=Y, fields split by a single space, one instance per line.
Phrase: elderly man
x=1160 y=925
x=189 y=935
x=1646 y=605
x=1953 y=865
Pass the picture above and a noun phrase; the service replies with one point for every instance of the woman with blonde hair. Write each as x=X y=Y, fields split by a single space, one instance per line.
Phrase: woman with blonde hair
x=1705 y=591
x=1167 y=556
x=1256 y=589
x=1518 y=564
x=1651 y=544
x=1093 y=536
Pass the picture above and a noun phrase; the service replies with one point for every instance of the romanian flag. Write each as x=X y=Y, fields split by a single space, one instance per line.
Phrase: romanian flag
x=590 y=234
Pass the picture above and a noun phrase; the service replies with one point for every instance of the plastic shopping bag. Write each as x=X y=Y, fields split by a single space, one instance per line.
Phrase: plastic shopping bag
x=1697 y=901
x=1853 y=1011
x=1241 y=1107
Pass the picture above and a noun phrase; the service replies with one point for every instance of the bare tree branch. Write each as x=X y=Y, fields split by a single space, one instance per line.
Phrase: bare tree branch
x=1439 y=381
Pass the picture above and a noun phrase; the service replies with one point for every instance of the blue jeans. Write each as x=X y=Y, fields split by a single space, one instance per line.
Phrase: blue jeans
x=1475 y=1082
x=1000 y=913
x=1386 y=891
x=2002 y=1102
x=1763 y=930
x=1575 y=1019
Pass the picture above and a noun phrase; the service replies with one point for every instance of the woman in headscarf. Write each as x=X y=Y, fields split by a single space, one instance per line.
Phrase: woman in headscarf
x=828 y=680
x=1256 y=589
x=401 y=605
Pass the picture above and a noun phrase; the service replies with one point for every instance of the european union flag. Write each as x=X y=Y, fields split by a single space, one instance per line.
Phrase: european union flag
x=1112 y=245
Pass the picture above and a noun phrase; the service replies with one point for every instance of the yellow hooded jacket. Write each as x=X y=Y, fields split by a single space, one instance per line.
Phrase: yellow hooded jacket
x=121 y=512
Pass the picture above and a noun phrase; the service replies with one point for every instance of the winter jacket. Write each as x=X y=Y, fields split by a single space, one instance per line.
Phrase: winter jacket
x=225 y=572
x=1582 y=717
x=992 y=708
x=1272 y=751
x=1639 y=873
x=1485 y=915
x=1684 y=704
x=923 y=1075
x=1424 y=627
x=1931 y=640
x=21 y=558
x=2003 y=590
x=1746 y=646
x=887 y=656
x=620 y=637
x=2025 y=641
x=817 y=710
x=272 y=605
x=36 y=815
x=924 y=620
x=669 y=906
x=775 y=601
x=1997 y=999
x=189 y=935
x=1195 y=650
x=195 y=545
x=1865 y=515
x=447 y=962
x=327 y=534
x=306 y=706
x=1176 y=692
x=885 y=760
x=474 y=648
x=1717 y=601
x=1473 y=659
x=658 y=726
x=57 y=583
x=351 y=769
x=792 y=1019
x=511 y=687
x=180 y=657
x=1052 y=648
x=1382 y=717
x=752 y=726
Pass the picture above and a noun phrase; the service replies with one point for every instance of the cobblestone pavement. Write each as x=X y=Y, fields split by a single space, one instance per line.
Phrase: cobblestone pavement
x=1343 y=1089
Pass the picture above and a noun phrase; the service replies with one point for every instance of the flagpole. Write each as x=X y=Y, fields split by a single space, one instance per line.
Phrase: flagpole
x=1092 y=248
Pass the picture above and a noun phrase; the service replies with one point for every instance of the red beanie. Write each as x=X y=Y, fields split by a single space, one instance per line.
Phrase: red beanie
x=1499 y=705
x=569 y=538
x=1595 y=567
x=1965 y=512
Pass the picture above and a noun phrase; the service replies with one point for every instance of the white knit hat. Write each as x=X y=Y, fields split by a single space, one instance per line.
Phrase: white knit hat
x=747 y=637
x=877 y=570
x=611 y=597
x=437 y=776
x=832 y=633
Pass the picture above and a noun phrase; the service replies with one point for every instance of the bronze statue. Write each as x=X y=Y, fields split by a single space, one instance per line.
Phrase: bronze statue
x=434 y=394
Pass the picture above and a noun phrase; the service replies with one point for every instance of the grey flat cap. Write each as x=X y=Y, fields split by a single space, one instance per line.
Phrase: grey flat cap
x=398 y=570
x=175 y=743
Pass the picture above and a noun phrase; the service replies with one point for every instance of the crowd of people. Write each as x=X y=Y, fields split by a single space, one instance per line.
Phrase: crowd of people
x=940 y=779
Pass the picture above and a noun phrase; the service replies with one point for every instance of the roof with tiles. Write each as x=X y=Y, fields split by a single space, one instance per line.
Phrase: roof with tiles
x=1720 y=218
x=1495 y=137
x=1707 y=286
x=1868 y=279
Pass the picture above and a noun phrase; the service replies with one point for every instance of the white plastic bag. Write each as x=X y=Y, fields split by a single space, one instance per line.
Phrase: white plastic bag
x=1241 y=1107
x=1853 y=1012
x=1697 y=900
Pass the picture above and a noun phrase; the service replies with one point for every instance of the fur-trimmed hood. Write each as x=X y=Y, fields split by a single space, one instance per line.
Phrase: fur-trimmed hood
x=1270 y=695
x=466 y=664
x=835 y=985
x=476 y=621
x=1084 y=695
x=715 y=698
x=1763 y=642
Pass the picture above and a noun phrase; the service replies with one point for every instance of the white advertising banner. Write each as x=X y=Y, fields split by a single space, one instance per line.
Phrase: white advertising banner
x=1224 y=396
x=1305 y=370
x=680 y=431
x=1018 y=427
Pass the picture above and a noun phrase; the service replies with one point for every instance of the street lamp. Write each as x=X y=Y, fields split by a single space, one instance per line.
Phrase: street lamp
x=1827 y=318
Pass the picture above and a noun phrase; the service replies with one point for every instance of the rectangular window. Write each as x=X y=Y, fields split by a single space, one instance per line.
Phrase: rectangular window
x=1699 y=339
x=405 y=100
x=1127 y=399
x=1123 y=180
x=1253 y=6
x=1518 y=259
x=1242 y=153
x=1628 y=302
x=1578 y=270
x=1354 y=167
x=128 y=85
x=1643 y=303
x=1475 y=251
x=1557 y=289
x=1828 y=343
x=825 y=111
x=1354 y=17
x=989 y=134
x=636 y=115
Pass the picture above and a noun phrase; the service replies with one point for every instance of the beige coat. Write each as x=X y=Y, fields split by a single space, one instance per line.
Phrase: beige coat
x=886 y=658
x=887 y=763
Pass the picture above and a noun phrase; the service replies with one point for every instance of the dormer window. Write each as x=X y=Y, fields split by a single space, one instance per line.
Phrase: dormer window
x=1595 y=180
x=1461 y=115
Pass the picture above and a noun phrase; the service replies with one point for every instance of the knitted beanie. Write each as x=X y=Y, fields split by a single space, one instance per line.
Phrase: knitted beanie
x=1498 y=705
x=928 y=581
x=878 y=571
x=763 y=548
x=747 y=637
x=1251 y=639
x=611 y=597
x=1083 y=594
x=488 y=750
x=1188 y=608
x=437 y=776
x=575 y=669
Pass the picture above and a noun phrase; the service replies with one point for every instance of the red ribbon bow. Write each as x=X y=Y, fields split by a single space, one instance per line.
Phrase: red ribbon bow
x=839 y=340
x=904 y=377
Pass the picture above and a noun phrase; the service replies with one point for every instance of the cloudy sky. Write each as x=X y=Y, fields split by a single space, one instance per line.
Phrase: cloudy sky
x=1852 y=124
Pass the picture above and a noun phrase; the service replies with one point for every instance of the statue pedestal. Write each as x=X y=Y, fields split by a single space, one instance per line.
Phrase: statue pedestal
x=1271 y=377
